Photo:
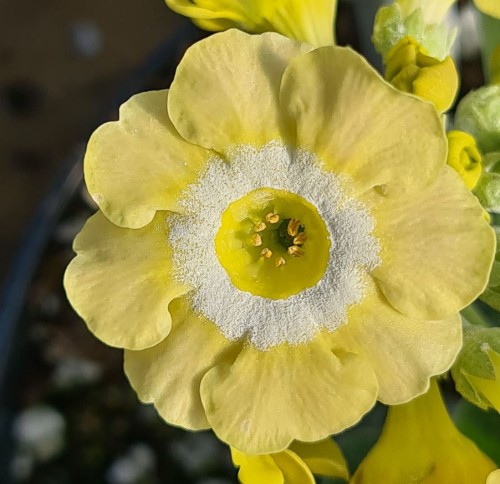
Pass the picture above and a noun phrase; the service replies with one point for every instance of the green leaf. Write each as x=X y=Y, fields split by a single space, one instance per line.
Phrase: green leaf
x=488 y=191
x=478 y=114
x=480 y=426
x=391 y=25
x=491 y=296
x=473 y=360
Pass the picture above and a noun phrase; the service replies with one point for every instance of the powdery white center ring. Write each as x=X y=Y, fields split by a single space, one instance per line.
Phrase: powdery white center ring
x=265 y=322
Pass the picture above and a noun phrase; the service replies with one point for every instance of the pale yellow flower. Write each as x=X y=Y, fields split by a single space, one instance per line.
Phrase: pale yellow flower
x=464 y=157
x=295 y=465
x=410 y=70
x=263 y=143
x=310 y=21
x=419 y=444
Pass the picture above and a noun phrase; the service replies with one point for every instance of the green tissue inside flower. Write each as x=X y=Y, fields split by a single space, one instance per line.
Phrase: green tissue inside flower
x=272 y=243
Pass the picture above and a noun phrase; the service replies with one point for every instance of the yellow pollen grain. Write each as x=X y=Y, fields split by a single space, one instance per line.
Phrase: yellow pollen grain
x=295 y=251
x=299 y=239
x=280 y=262
x=259 y=227
x=256 y=240
x=267 y=253
x=272 y=218
x=293 y=227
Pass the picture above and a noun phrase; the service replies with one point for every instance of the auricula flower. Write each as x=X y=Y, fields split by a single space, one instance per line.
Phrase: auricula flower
x=279 y=242
x=305 y=20
x=295 y=465
x=420 y=444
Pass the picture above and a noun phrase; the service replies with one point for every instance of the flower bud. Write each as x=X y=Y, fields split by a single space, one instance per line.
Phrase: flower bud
x=477 y=368
x=410 y=70
x=419 y=19
x=478 y=113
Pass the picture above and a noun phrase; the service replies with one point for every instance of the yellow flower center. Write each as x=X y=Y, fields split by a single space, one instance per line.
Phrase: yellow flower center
x=272 y=243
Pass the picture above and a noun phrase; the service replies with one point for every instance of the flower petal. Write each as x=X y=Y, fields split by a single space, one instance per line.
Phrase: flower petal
x=324 y=458
x=403 y=352
x=437 y=249
x=294 y=469
x=256 y=468
x=354 y=121
x=226 y=88
x=140 y=164
x=120 y=281
x=489 y=7
x=307 y=21
x=169 y=374
x=265 y=399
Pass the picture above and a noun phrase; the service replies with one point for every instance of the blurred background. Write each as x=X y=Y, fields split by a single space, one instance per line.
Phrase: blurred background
x=62 y=64
x=67 y=414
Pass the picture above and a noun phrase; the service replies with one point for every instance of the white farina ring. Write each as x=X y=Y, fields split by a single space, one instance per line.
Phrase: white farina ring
x=264 y=322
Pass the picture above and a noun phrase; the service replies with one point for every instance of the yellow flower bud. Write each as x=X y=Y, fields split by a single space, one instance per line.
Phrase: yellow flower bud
x=464 y=157
x=409 y=69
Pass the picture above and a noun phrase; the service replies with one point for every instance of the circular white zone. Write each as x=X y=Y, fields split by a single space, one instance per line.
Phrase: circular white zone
x=266 y=322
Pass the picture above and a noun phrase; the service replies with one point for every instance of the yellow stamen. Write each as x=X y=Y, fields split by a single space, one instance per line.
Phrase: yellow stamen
x=259 y=227
x=280 y=262
x=256 y=240
x=272 y=218
x=295 y=251
x=293 y=227
x=299 y=239
x=267 y=253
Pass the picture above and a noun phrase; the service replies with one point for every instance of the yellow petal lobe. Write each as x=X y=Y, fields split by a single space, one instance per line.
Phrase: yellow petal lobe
x=332 y=97
x=137 y=165
x=307 y=21
x=312 y=393
x=437 y=249
x=164 y=376
x=121 y=281
x=212 y=100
